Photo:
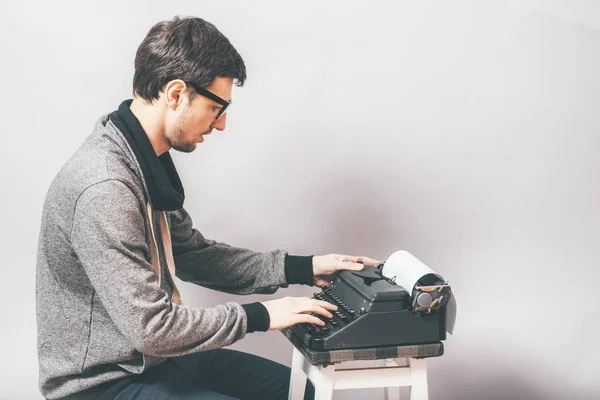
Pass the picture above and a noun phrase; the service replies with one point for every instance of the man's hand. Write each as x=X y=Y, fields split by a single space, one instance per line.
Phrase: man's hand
x=326 y=267
x=290 y=311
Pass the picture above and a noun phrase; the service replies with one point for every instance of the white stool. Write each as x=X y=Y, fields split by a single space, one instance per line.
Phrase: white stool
x=397 y=372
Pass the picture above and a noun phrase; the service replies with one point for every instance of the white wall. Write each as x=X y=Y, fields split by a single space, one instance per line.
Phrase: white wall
x=465 y=132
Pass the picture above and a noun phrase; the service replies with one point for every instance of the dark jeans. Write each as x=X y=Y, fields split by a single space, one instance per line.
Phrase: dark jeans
x=220 y=374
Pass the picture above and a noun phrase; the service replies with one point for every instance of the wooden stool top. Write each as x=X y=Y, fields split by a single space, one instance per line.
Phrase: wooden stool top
x=316 y=357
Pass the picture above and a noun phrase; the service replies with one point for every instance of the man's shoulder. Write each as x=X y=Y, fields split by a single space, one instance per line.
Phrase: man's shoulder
x=103 y=156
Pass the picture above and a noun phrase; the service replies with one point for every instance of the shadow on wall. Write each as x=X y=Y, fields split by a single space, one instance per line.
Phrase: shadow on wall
x=499 y=384
x=494 y=373
x=583 y=353
x=508 y=370
x=374 y=214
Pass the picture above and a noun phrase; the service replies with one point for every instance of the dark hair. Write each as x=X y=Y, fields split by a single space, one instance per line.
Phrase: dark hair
x=189 y=49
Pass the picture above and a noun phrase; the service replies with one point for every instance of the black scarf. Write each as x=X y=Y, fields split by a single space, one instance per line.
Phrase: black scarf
x=162 y=180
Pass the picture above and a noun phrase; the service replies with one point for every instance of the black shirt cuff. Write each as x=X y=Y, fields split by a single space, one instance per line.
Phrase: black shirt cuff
x=257 y=317
x=299 y=269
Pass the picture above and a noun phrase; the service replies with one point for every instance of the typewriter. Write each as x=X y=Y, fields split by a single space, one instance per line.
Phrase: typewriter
x=373 y=310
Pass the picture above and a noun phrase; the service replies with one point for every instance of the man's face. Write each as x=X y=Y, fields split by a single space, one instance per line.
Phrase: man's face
x=191 y=120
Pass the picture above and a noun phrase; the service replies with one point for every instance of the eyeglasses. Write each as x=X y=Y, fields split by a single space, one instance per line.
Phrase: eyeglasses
x=211 y=96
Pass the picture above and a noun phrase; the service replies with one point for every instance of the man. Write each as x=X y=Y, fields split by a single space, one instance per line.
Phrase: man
x=114 y=235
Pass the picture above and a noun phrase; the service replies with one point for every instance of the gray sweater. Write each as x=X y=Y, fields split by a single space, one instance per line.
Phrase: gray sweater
x=101 y=313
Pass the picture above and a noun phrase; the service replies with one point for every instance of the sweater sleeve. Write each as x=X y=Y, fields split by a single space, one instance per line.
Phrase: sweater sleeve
x=109 y=239
x=299 y=269
x=220 y=266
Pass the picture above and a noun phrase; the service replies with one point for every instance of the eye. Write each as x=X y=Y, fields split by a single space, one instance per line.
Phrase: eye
x=215 y=109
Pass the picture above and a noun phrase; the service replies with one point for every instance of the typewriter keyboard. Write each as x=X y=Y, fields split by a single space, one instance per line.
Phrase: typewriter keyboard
x=341 y=317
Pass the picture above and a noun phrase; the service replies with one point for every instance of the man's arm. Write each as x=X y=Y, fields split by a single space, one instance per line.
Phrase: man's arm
x=108 y=237
x=230 y=269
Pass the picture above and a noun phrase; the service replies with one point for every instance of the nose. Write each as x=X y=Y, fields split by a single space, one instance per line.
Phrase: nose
x=220 y=123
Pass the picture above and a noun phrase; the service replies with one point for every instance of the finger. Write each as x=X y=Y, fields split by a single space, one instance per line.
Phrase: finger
x=322 y=311
x=309 y=318
x=325 y=304
x=307 y=304
x=365 y=260
x=318 y=310
x=369 y=262
x=346 y=258
x=352 y=266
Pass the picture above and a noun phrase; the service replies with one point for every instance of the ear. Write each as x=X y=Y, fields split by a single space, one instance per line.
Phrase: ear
x=174 y=91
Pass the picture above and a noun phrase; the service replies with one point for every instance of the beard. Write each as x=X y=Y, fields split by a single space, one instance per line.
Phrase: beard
x=177 y=138
x=178 y=143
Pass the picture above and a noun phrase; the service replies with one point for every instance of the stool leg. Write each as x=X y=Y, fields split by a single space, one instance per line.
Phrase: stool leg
x=297 y=378
x=391 y=393
x=324 y=386
x=418 y=378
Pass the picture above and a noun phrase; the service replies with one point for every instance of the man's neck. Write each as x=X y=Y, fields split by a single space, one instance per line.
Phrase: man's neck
x=150 y=117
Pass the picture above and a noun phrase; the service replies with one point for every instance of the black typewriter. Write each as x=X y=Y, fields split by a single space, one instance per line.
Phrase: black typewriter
x=374 y=311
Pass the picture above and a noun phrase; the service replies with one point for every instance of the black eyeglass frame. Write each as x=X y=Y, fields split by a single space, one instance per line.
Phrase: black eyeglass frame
x=210 y=95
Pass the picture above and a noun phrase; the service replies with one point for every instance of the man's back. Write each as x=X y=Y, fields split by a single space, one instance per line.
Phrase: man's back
x=73 y=325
